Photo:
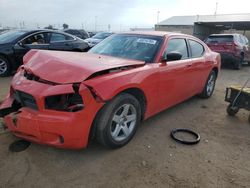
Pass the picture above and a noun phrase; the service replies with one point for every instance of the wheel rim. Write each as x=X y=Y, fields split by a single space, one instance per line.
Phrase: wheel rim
x=123 y=122
x=211 y=84
x=3 y=66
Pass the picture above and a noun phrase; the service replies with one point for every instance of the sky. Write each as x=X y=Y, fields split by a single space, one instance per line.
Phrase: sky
x=98 y=14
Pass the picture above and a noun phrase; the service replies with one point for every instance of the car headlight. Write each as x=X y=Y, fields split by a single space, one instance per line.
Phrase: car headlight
x=67 y=102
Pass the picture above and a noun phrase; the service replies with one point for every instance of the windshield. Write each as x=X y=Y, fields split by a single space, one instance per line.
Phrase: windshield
x=10 y=36
x=101 y=35
x=137 y=47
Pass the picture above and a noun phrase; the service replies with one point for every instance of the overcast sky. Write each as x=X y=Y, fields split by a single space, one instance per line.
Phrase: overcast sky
x=120 y=14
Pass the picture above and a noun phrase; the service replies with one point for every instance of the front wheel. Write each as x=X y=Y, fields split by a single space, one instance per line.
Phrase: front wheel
x=118 y=120
x=210 y=85
x=4 y=67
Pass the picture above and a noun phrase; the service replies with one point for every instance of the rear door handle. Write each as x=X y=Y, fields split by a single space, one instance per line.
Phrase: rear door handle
x=189 y=65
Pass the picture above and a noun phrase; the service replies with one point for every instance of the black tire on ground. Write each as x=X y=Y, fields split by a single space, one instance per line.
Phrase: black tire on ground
x=5 y=68
x=231 y=111
x=207 y=92
x=106 y=121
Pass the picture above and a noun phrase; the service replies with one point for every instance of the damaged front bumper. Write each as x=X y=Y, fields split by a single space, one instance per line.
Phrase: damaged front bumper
x=44 y=126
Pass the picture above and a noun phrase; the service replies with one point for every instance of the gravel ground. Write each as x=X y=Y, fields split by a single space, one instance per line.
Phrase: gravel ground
x=152 y=158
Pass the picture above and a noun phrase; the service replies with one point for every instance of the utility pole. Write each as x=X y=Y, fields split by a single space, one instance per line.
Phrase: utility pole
x=216 y=7
x=95 y=23
x=158 y=16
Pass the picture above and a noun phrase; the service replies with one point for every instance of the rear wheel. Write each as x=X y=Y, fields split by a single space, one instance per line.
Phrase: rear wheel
x=4 y=67
x=238 y=64
x=210 y=85
x=117 y=122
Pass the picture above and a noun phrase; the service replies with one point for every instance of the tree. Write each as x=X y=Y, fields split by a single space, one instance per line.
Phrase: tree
x=65 y=26
x=49 y=27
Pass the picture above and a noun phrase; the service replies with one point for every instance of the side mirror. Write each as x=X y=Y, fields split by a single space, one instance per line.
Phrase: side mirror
x=172 y=56
x=21 y=44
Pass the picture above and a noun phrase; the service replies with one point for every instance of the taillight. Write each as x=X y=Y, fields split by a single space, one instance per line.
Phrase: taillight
x=66 y=102
x=231 y=45
x=234 y=46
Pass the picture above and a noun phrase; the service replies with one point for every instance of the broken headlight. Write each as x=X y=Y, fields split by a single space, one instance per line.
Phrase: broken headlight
x=66 y=102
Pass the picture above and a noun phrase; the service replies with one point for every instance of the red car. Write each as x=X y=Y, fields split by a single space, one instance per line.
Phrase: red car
x=234 y=48
x=65 y=98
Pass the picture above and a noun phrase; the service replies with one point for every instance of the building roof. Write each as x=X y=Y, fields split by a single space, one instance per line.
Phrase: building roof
x=190 y=20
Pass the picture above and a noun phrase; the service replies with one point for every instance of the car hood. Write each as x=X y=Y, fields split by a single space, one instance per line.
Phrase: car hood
x=92 y=40
x=4 y=45
x=70 y=67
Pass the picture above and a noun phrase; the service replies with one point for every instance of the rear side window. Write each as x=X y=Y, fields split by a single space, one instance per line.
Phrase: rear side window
x=58 y=37
x=197 y=49
x=177 y=45
x=220 y=39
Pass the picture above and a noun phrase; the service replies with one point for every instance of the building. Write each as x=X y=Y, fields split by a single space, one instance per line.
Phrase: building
x=203 y=25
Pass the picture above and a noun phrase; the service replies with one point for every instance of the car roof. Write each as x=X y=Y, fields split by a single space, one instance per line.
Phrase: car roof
x=155 y=33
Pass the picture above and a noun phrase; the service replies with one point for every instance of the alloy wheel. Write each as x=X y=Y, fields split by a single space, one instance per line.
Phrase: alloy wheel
x=211 y=84
x=123 y=122
x=3 y=66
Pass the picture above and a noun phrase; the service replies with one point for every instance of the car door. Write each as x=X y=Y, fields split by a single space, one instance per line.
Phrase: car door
x=198 y=69
x=59 y=41
x=175 y=83
x=34 y=41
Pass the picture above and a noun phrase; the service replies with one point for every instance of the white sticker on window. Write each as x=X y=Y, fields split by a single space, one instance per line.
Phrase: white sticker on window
x=147 y=41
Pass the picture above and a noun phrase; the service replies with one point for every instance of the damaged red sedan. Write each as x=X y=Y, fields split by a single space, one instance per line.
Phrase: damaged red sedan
x=64 y=99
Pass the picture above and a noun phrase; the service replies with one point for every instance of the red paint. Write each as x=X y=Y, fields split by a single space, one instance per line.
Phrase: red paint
x=164 y=85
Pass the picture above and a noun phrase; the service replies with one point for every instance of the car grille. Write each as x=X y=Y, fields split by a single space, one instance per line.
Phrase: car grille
x=25 y=99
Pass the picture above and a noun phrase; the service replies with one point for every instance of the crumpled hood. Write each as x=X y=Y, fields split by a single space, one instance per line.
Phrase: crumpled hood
x=70 y=67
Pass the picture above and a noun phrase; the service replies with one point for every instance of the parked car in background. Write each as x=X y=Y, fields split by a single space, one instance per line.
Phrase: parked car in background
x=80 y=33
x=3 y=30
x=91 y=33
x=97 y=38
x=234 y=48
x=107 y=92
x=14 y=44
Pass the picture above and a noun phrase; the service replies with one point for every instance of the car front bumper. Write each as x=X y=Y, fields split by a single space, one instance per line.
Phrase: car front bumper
x=56 y=128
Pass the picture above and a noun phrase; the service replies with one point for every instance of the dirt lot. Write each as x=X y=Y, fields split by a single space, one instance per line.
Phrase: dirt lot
x=152 y=158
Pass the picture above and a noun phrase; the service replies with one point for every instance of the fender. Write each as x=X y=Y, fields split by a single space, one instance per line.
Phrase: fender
x=28 y=56
x=144 y=78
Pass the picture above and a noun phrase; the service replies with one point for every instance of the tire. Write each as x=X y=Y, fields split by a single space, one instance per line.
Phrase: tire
x=232 y=111
x=118 y=120
x=210 y=85
x=238 y=64
x=5 y=68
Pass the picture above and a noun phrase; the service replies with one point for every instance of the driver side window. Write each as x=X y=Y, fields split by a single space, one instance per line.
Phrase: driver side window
x=40 y=38
x=177 y=45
